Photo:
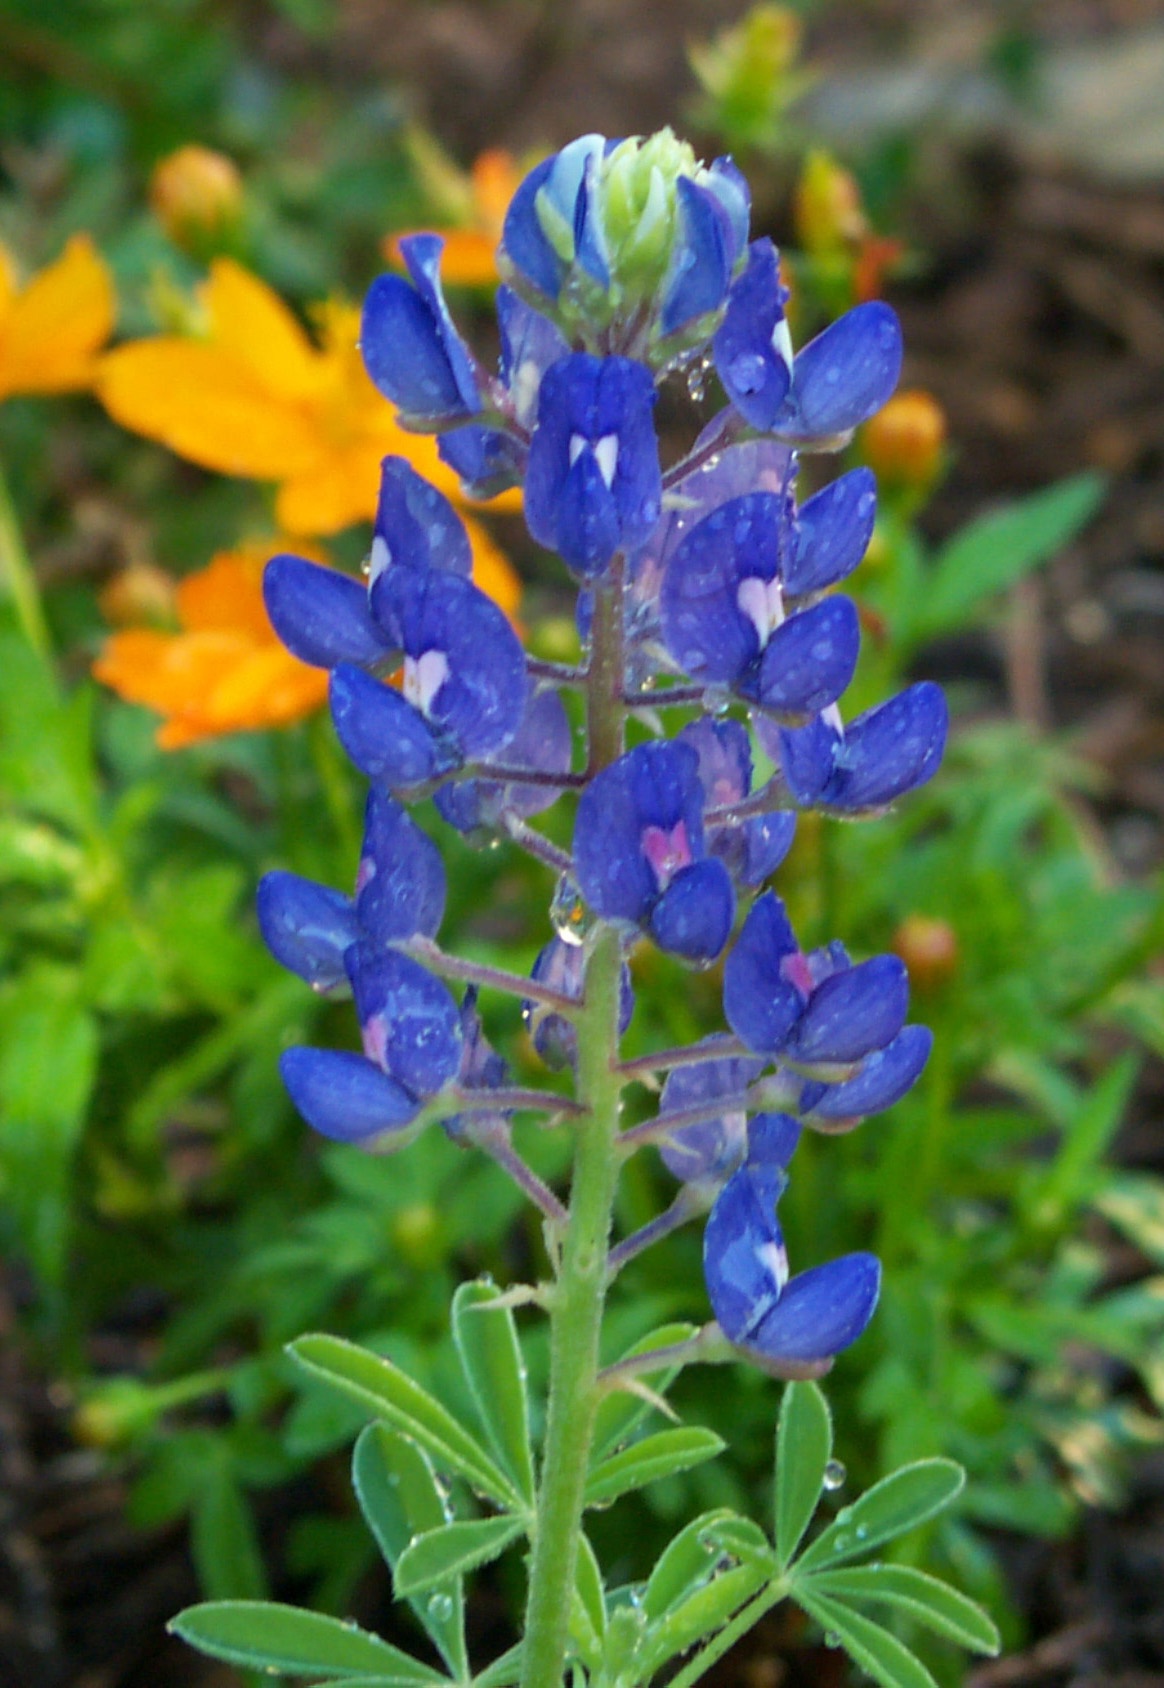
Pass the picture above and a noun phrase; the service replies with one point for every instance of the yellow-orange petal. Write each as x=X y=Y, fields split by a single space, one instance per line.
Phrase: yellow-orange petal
x=267 y=687
x=53 y=328
x=492 y=570
x=496 y=179
x=226 y=596
x=201 y=403
x=170 y=672
x=251 y=323
x=7 y=285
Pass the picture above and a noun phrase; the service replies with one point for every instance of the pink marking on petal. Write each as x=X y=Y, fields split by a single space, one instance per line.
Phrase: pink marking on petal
x=666 y=852
x=374 y=1036
x=795 y=970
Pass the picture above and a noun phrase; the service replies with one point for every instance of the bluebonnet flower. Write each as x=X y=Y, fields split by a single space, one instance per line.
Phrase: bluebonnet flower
x=861 y=768
x=819 y=396
x=817 y=1010
x=753 y=848
x=410 y=346
x=882 y=1079
x=543 y=744
x=723 y=616
x=593 y=484
x=782 y=1323
x=464 y=688
x=639 y=853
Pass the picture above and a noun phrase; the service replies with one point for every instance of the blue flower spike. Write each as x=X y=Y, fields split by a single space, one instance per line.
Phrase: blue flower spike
x=789 y=1326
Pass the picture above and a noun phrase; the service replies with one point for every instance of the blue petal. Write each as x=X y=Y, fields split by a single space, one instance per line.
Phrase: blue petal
x=693 y=917
x=882 y=754
x=855 y=1011
x=848 y=372
x=760 y=1003
x=820 y=1312
x=408 y=1020
x=562 y=967
x=422 y=254
x=402 y=351
x=725 y=759
x=416 y=526
x=766 y=839
x=344 y=1096
x=568 y=505
x=401 y=884
x=530 y=343
x=772 y=1140
x=809 y=660
x=833 y=533
x=753 y=370
x=701 y=258
x=479 y=706
x=656 y=785
x=730 y=188
x=885 y=1077
x=307 y=927
x=744 y=1263
x=522 y=241
x=704 y=628
x=321 y=615
x=711 y=1150
x=385 y=737
x=486 y=459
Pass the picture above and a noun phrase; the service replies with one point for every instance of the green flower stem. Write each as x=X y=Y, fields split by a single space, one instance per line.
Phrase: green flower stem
x=16 y=573
x=580 y=1291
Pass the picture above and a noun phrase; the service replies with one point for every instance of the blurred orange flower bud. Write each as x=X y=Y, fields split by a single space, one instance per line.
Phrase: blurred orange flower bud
x=827 y=209
x=905 y=443
x=929 y=949
x=140 y=595
x=197 y=196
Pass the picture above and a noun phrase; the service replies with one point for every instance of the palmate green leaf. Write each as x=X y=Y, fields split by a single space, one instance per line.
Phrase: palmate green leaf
x=659 y=1455
x=386 y=1391
x=399 y=1498
x=264 y=1635
x=439 y=1555
x=490 y=1355
x=700 y=1614
x=926 y=1599
x=804 y=1441
x=897 y=1503
x=998 y=549
x=692 y=1557
x=878 y=1652
x=621 y=1412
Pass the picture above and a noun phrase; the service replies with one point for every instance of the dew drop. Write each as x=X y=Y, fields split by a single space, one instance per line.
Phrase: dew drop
x=862 y=1531
x=834 y=1474
x=832 y=1639
x=440 y=1608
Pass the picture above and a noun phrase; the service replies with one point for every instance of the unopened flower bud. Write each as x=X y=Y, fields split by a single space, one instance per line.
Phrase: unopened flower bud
x=905 y=443
x=196 y=195
x=827 y=208
x=929 y=949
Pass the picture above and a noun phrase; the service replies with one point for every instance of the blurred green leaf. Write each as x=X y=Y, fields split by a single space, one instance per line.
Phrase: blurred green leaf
x=658 y=1455
x=486 y=1340
x=442 y=1554
x=874 y=1649
x=920 y=1596
x=264 y=1635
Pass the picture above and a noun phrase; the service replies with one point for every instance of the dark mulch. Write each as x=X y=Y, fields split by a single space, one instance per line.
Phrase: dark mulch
x=1038 y=321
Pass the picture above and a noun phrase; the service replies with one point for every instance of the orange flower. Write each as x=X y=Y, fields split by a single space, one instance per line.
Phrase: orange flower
x=52 y=328
x=470 y=255
x=224 y=671
x=254 y=397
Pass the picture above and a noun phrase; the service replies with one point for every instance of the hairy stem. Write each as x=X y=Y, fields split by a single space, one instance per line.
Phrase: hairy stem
x=579 y=1294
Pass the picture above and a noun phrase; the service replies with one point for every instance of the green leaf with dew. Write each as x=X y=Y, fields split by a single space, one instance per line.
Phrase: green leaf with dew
x=439 y=1555
x=385 y=1390
x=924 y=1598
x=804 y=1440
x=661 y=1454
x=887 y=1660
x=486 y=1339
x=264 y=1635
x=899 y=1502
